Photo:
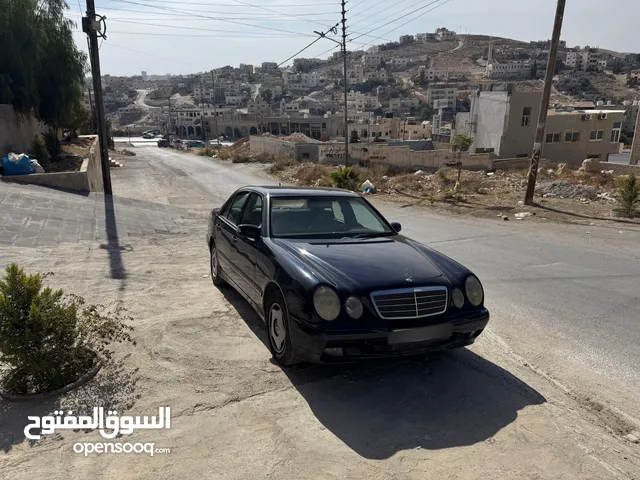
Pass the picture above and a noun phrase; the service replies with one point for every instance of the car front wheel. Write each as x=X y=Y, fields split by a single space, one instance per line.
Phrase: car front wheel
x=278 y=326
x=214 y=265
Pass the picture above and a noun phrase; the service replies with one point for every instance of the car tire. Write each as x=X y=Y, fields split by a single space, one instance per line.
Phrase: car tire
x=214 y=266
x=278 y=331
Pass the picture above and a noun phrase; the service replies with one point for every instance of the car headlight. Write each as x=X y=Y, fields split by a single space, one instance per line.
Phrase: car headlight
x=458 y=298
x=475 y=294
x=353 y=306
x=326 y=303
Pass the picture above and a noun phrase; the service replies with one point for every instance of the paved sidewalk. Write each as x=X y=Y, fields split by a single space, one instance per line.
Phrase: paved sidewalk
x=32 y=216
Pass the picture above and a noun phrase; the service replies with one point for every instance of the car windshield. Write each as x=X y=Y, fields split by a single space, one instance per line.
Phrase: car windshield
x=325 y=217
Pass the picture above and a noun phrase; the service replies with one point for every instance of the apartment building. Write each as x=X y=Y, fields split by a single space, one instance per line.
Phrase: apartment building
x=371 y=61
x=425 y=37
x=234 y=100
x=502 y=120
x=259 y=107
x=442 y=96
x=398 y=104
x=405 y=39
x=289 y=107
x=429 y=74
x=116 y=82
x=508 y=70
x=587 y=59
x=379 y=75
x=355 y=74
x=419 y=131
x=267 y=66
x=399 y=63
x=444 y=34
x=360 y=102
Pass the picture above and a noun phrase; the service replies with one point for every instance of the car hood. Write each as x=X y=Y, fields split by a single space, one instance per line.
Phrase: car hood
x=364 y=264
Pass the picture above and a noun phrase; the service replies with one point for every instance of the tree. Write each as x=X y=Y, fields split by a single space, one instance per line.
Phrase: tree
x=460 y=143
x=421 y=77
x=267 y=95
x=617 y=66
x=354 y=137
x=534 y=69
x=41 y=70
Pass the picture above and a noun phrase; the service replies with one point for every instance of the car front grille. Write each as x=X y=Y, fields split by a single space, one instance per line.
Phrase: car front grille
x=410 y=302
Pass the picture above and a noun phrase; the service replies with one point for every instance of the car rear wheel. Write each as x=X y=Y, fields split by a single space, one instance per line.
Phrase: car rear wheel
x=278 y=330
x=214 y=265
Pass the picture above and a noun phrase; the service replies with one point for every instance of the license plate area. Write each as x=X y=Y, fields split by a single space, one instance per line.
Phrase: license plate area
x=422 y=334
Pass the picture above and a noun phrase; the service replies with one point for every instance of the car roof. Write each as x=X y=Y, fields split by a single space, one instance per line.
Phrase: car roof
x=274 y=191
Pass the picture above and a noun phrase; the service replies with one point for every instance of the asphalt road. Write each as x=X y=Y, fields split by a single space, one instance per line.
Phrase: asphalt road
x=565 y=299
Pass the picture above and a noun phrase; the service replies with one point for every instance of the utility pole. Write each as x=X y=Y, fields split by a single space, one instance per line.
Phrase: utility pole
x=170 y=119
x=204 y=127
x=215 y=113
x=91 y=26
x=544 y=104
x=346 y=84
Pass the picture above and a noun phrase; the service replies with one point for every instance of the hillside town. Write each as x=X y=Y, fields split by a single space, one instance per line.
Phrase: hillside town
x=428 y=86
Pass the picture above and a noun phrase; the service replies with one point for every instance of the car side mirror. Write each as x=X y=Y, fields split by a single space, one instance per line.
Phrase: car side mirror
x=396 y=226
x=249 y=231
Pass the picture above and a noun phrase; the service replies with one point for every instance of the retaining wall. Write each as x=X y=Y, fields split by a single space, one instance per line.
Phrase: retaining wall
x=88 y=179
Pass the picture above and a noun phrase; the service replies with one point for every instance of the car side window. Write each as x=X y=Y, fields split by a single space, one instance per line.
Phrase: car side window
x=252 y=214
x=236 y=207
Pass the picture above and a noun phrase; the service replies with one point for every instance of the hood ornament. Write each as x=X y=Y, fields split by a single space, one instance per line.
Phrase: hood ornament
x=408 y=275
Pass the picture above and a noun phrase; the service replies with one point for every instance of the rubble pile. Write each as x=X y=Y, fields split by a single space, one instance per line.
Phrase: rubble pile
x=299 y=138
x=562 y=189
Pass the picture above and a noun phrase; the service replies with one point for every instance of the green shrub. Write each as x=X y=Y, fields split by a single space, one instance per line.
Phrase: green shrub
x=628 y=196
x=39 y=151
x=242 y=159
x=52 y=142
x=49 y=339
x=346 y=178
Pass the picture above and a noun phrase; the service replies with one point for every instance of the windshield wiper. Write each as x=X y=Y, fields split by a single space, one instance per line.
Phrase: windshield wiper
x=373 y=235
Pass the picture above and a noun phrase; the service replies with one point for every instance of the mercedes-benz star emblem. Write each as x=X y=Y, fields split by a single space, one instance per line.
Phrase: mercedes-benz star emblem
x=408 y=275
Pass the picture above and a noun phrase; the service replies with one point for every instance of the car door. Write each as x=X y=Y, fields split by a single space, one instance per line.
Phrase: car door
x=246 y=249
x=226 y=234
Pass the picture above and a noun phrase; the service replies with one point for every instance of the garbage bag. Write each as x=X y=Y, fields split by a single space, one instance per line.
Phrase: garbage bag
x=14 y=164
x=35 y=165
x=367 y=187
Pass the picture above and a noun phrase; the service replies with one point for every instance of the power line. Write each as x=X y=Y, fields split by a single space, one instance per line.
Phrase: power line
x=256 y=18
x=299 y=52
x=415 y=18
x=214 y=4
x=111 y=44
x=190 y=13
x=375 y=13
x=183 y=27
x=243 y=35
x=404 y=16
x=212 y=18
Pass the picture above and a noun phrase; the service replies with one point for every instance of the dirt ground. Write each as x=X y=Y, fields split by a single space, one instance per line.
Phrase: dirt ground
x=476 y=413
x=568 y=196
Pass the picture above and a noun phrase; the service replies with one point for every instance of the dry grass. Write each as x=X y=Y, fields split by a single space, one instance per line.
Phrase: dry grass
x=224 y=154
x=316 y=175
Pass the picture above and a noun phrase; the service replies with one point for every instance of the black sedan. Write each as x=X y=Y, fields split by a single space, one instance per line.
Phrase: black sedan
x=334 y=281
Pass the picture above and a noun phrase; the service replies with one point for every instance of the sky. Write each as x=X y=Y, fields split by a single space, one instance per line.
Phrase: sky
x=166 y=36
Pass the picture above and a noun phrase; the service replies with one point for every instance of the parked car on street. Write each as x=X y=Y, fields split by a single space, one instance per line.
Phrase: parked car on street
x=335 y=281
x=163 y=143
x=196 y=144
x=148 y=135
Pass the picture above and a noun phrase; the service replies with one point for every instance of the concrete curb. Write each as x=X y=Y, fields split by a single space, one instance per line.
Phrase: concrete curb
x=40 y=396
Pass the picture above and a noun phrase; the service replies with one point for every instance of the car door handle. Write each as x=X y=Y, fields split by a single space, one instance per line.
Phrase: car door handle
x=218 y=226
x=234 y=238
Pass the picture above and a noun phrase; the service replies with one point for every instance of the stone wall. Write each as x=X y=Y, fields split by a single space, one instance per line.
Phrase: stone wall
x=518 y=164
x=16 y=134
x=592 y=165
x=275 y=146
x=400 y=156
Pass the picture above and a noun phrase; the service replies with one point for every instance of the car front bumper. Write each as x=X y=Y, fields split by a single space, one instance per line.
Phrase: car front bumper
x=335 y=347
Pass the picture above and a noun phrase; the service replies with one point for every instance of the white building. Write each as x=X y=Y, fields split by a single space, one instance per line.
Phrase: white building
x=442 y=96
x=429 y=74
x=361 y=102
x=399 y=62
x=371 y=61
x=397 y=104
x=289 y=107
x=444 y=34
x=235 y=100
x=508 y=70
x=586 y=59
